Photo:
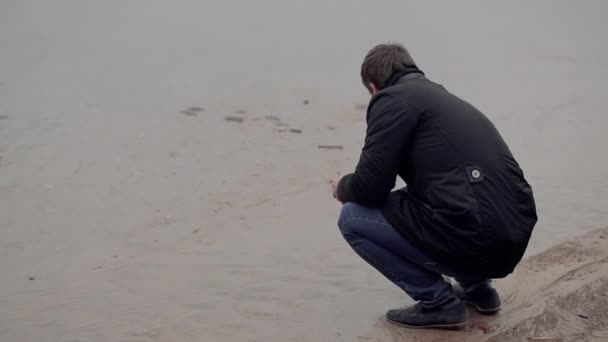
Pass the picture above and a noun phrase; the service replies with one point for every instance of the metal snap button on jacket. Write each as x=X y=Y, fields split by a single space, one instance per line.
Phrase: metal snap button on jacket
x=474 y=173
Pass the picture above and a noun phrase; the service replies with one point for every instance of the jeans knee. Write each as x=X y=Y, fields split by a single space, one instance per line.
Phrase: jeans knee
x=346 y=213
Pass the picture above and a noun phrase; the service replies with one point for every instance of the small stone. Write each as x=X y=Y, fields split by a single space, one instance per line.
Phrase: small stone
x=485 y=328
x=294 y=130
x=32 y=278
x=305 y=102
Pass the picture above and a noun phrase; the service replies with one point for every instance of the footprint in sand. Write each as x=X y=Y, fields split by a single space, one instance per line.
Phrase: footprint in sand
x=192 y=111
x=234 y=119
x=272 y=118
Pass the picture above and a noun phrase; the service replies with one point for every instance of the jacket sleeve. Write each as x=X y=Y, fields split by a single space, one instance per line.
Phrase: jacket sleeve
x=390 y=126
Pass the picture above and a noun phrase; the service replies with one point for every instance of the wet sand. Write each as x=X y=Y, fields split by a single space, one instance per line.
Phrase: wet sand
x=161 y=177
x=557 y=295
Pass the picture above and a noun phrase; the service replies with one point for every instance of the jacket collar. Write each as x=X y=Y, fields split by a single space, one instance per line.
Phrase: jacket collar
x=396 y=76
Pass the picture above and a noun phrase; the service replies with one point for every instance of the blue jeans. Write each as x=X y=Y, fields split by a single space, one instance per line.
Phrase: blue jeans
x=377 y=242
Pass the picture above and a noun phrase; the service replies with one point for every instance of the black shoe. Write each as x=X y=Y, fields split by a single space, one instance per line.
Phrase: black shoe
x=483 y=298
x=450 y=315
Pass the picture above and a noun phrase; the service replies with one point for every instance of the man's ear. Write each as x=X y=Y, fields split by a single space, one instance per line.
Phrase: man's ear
x=373 y=88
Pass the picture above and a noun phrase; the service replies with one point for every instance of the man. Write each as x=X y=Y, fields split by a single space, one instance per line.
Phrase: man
x=467 y=211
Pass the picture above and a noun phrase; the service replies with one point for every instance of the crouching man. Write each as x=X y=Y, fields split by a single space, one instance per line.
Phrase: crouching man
x=467 y=211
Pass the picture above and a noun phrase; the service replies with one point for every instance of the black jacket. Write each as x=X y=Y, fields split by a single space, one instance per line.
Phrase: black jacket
x=467 y=204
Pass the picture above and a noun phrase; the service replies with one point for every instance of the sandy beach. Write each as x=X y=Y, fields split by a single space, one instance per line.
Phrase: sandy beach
x=161 y=177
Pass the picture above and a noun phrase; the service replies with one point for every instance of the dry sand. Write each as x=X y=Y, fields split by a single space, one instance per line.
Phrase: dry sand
x=160 y=178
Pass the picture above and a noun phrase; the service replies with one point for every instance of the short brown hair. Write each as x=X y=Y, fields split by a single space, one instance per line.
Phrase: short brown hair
x=382 y=61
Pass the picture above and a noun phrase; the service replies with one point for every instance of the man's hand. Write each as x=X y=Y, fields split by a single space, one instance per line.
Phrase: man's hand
x=334 y=188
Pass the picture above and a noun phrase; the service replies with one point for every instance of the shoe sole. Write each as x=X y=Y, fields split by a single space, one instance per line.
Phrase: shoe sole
x=433 y=326
x=483 y=311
